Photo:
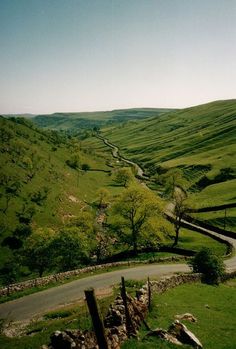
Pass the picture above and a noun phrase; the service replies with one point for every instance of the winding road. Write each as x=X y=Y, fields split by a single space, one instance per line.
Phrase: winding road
x=36 y=304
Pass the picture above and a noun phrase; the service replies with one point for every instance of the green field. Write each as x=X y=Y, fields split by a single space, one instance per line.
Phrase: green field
x=214 y=308
x=223 y=218
x=200 y=141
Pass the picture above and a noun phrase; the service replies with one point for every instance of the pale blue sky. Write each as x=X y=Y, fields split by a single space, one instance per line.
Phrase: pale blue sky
x=78 y=55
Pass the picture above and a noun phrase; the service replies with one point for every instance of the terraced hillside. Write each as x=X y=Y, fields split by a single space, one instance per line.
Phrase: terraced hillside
x=201 y=141
x=94 y=119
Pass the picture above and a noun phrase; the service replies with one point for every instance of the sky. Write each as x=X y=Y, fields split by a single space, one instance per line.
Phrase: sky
x=85 y=55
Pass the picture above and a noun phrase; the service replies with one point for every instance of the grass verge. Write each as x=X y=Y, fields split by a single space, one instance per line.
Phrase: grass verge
x=215 y=310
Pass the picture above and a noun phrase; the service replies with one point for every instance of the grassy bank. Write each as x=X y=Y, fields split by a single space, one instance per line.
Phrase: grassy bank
x=214 y=308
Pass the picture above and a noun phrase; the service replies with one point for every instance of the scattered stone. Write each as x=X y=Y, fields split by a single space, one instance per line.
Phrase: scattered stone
x=183 y=334
x=187 y=317
x=163 y=334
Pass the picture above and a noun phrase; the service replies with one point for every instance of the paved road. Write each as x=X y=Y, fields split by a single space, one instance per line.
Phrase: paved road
x=27 y=307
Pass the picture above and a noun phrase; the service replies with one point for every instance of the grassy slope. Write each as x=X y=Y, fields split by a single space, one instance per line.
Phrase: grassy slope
x=202 y=135
x=68 y=192
x=215 y=326
x=92 y=119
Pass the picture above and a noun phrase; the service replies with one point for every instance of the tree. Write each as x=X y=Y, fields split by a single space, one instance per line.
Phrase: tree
x=209 y=264
x=85 y=167
x=103 y=197
x=74 y=161
x=170 y=180
x=84 y=222
x=39 y=196
x=9 y=273
x=134 y=209
x=39 y=250
x=11 y=187
x=180 y=208
x=72 y=248
x=123 y=176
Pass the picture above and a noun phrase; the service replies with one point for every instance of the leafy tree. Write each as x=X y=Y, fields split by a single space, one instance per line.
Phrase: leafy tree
x=84 y=222
x=74 y=161
x=103 y=197
x=170 y=180
x=39 y=249
x=209 y=264
x=15 y=242
x=25 y=215
x=39 y=196
x=11 y=187
x=72 y=248
x=32 y=164
x=135 y=208
x=9 y=273
x=123 y=176
x=85 y=167
x=180 y=209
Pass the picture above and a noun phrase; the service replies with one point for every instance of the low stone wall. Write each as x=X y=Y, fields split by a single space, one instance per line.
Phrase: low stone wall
x=43 y=281
x=173 y=281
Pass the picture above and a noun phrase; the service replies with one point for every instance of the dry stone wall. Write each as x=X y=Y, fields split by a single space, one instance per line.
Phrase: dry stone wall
x=43 y=281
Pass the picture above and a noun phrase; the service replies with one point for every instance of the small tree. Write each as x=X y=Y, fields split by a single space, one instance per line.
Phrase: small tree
x=72 y=248
x=74 y=161
x=123 y=176
x=134 y=209
x=9 y=273
x=179 y=211
x=102 y=197
x=209 y=264
x=170 y=180
x=85 y=167
x=38 y=250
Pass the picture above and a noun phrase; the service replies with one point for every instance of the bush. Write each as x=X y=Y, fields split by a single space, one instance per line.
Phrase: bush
x=209 y=264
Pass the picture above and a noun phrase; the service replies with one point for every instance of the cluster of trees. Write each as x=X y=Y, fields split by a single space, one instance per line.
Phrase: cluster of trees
x=135 y=221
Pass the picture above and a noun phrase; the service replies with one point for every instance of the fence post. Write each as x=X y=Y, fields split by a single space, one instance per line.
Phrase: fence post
x=149 y=295
x=96 y=319
x=129 y=325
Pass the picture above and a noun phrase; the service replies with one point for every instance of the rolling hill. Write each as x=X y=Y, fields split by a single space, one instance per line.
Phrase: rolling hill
x=201 y=141
x=68 y=121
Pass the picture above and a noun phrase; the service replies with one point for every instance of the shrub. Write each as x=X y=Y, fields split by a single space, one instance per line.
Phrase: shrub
x=209 y=264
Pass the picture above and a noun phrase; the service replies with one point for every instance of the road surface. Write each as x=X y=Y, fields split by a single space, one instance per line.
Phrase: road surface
x=36 y=304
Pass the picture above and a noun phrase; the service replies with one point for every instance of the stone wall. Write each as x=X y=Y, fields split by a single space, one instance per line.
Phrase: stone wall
x=115 y=321
x=43 y=281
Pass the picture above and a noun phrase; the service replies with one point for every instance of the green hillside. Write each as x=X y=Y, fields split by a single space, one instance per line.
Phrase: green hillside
x=40 y=184
x=95 y=119
x=201 y=141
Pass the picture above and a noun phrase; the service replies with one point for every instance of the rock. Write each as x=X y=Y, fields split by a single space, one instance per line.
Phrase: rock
x=187 y=317
x=61 y=340
x=163 y=334
x=183 y=334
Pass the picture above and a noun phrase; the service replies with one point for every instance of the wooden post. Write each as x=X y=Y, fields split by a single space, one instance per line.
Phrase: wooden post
x=129 y=325
x=96 y=319
x=149 y=295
